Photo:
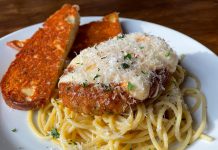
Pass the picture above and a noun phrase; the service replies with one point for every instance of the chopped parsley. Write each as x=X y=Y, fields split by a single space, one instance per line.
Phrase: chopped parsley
x=72 y=142
x=125 y=65
x=130 y=86
x=98 y=69
x=141 y=47
x=106 y=87
x=121 y=36
x=145 y=73
x=14 y=130
x=85 y=84
x=128 y=56
x=167 y=54
x=54 y=133
x=79 y=63
x=96 y=76
x=174 y=82
x=103 y=57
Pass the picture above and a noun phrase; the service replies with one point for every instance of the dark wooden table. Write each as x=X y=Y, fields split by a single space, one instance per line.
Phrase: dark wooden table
x=196 y=18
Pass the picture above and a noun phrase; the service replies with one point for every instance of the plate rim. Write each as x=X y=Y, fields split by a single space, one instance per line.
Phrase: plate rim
x=121 y=18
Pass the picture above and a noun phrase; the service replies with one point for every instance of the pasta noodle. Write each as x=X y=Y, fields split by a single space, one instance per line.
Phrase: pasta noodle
x=155 y=126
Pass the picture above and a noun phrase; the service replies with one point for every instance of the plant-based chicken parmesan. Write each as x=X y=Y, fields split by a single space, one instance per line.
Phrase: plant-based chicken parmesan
x=116 y=74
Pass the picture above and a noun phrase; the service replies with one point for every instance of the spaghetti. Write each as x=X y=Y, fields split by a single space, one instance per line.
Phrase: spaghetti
x=155 y=126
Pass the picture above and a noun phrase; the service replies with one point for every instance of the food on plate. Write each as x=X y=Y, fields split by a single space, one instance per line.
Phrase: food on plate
x=32 y=76
x=88 y=35
x=17 y=44
x=94 y=108
x=96 y=32
x=159 y=124
x=116 y=74
x=123 y=91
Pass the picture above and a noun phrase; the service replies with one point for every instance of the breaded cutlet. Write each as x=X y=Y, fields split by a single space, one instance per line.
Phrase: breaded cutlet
x=117 y=74
x=32 y=76
x=96 y=32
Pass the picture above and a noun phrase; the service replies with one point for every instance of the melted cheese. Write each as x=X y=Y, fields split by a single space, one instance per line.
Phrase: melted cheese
x=29 y=92
x=71 y=19
x=125 y=60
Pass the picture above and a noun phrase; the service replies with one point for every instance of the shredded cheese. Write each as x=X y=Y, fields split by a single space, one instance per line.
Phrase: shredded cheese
x=129 y=58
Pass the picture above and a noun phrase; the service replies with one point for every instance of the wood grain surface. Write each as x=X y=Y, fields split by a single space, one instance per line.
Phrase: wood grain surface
x=196 y=18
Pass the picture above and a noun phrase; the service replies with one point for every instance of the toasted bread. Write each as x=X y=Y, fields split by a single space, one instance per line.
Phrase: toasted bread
x=88 y=34
x=32 y=76
x=17 y=44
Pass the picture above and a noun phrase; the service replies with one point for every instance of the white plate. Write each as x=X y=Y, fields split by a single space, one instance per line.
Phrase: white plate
x=199 y=60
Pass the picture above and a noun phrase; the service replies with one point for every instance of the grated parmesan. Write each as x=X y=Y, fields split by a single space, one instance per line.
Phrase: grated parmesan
x=129 y=58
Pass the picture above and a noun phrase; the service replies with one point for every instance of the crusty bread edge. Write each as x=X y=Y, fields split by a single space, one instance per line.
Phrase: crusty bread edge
x=27 y=105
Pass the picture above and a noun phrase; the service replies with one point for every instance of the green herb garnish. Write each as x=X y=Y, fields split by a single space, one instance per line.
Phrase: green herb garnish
x=145 y=73
x=14 y=130
x=103 y=57
x=96 y=76
x=85 y=84
x=125 y=65
x=141 y=47
x=167 y=54
x=71 y=142
x=98 y=69
x=106 y=87
x=128 y=56
x=79 y=63
x=130 y=86
x=174 y=82
x=54 y=133
x=121 y=36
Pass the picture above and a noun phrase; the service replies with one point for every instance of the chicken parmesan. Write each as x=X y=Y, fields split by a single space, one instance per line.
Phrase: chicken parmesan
x=114 y=75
